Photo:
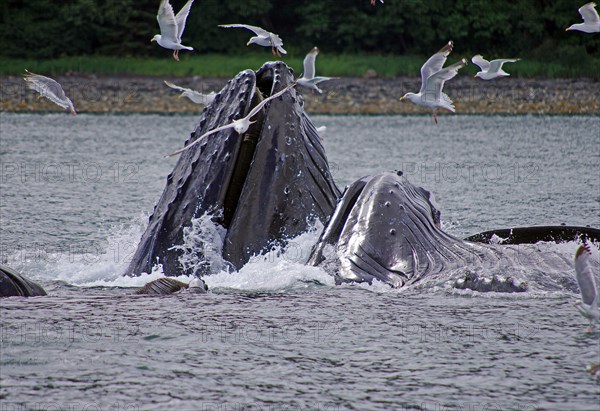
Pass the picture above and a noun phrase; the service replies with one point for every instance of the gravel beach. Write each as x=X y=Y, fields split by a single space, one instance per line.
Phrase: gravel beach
x=145 y=94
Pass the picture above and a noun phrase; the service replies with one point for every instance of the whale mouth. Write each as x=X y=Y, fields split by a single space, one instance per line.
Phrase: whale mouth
x=264 y=186
x=266 y=82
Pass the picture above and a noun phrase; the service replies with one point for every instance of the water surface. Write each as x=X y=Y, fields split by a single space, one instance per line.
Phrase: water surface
x=75 y=196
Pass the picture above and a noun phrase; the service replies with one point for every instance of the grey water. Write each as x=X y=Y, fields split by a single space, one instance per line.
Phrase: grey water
x=75 y=194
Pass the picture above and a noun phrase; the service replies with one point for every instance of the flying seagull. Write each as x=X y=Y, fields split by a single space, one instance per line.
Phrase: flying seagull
x=241 y=125
x=491 y=69
x=171 y=27
x=433 y=77
x=590 y=300
x=591 y=20
x=50 y=89
x=263 y=38
x=195 y=96
x=308 y=78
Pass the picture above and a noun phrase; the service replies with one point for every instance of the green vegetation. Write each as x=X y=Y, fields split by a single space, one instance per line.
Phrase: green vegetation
x=113 y=36
x=216 y=65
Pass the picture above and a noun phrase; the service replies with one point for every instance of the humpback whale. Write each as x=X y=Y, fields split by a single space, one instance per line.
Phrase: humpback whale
x=262 y=187
x=13 y=284
x=385 y=228
x=167 y=285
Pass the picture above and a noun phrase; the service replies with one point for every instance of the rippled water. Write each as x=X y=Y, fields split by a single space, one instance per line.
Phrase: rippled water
x=75 y=195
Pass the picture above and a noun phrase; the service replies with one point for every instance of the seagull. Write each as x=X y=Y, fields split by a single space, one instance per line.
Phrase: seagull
x=171 y=27
x=263 y=38
x=591 y=20
x=308 y=78
x=491 y=69
x=241 y=125
x=50 y=89
x=433 y=77
x=588 y=306
x=195 y=96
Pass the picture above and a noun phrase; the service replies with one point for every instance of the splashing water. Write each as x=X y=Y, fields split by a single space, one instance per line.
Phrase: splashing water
x=282 y=268
x=202 y=246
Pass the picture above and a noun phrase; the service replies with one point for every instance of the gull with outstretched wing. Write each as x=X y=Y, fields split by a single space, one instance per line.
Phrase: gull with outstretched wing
x=171 y=27
x=50 y=89
x=591 y=20
x=195 y=96
x=263 y=38
x=240 y=126
x=433 y=77
x=491 y=69
x=308 y=78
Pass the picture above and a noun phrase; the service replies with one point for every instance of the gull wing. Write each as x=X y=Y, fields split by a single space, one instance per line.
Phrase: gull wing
x=181 y=17
x=48 y=88
x=206 y=99
x=195 y=96
x=196 y=141
x=260 y=105
x=252 y=113
x=584 y=275
x=589 y=13
x=309 y=64
x=434 y=64
x=319 y=79
x=496 y=65
x=167 y=22
x=436 y=81
x=200 y=98
x=257 y=30
x=435 y=84
x=175 y=87
x=483 y=64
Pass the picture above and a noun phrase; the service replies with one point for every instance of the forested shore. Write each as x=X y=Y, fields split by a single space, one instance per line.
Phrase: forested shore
x=532 y=30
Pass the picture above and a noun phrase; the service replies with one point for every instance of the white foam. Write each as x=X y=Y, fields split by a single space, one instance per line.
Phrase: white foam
x=94 y=264
x=279 y=269
x=206 y=236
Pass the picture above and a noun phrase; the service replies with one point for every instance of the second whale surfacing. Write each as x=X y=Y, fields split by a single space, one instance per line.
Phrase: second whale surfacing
x=263 y=187
x=384 y=228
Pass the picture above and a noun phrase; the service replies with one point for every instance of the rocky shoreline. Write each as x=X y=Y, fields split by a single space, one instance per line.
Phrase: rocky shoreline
x=351 y=95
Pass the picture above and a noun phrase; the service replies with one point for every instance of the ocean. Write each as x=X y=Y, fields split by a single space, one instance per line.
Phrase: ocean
x=75 y=196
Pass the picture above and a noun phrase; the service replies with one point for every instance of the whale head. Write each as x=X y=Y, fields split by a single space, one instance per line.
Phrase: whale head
x=266 y=184
x=384 y=228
